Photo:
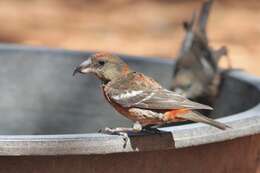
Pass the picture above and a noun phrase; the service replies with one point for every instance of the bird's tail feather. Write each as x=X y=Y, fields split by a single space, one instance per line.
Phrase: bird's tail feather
x=204 y=14
x=197 y=117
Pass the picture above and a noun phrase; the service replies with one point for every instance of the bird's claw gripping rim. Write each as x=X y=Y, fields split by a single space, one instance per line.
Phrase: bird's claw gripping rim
x=115 y=131
x=150 y=130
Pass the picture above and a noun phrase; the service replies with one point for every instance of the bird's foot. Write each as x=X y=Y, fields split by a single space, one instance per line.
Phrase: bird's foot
x=151 y=130
x=121 y=131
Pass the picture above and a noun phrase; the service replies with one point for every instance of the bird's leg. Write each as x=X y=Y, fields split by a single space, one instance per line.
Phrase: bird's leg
x=137 y=127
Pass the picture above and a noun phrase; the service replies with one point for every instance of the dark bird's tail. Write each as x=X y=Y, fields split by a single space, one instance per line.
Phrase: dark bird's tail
x=204 y=15
x=197 y=117
x=201 y=22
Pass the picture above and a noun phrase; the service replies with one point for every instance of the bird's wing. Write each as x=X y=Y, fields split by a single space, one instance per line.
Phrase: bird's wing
x=140 y=94
x=153 y=99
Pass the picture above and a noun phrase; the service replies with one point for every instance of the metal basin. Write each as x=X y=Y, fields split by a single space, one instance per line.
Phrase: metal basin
x=49 y=121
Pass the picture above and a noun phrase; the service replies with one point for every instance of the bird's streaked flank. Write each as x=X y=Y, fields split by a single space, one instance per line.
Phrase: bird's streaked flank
x=140 y=98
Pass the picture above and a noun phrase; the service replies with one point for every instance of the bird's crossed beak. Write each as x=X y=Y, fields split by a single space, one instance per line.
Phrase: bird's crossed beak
x=84 y=67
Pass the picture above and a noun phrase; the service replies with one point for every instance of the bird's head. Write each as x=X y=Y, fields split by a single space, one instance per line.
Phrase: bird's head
x=104 y=65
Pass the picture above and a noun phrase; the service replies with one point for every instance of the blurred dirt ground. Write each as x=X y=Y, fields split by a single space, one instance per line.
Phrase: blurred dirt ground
x=136 y=27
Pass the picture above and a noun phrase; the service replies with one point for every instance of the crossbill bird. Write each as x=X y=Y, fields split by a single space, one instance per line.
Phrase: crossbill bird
x=196 y=72
x=140 y=98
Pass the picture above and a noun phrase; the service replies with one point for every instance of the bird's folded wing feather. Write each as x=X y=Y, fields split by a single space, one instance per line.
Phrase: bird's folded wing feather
x=153 y=99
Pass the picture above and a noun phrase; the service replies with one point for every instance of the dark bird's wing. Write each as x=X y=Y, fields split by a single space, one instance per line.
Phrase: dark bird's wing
x=140 y=94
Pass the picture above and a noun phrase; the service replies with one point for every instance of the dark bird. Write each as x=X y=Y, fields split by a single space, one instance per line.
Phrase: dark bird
x=196 y=72
x=140 y=98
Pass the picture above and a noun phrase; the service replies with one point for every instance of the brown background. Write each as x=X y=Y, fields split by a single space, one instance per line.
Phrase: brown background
x=136 y=27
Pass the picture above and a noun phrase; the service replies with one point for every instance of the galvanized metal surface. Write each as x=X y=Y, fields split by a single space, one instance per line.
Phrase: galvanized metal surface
x=239 y=155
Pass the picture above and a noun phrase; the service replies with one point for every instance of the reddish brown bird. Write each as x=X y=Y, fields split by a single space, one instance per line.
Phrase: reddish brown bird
x=140 y=98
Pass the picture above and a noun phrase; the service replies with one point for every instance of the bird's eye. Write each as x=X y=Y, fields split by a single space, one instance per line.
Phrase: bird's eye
x=101 y=63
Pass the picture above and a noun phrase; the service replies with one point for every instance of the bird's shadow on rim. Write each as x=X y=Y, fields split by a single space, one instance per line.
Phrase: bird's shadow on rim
x=145 y=141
